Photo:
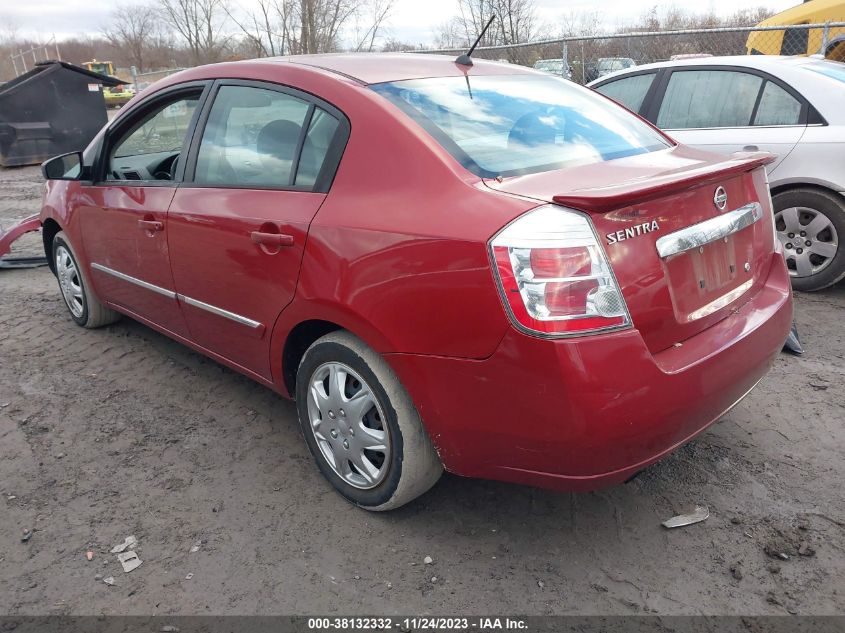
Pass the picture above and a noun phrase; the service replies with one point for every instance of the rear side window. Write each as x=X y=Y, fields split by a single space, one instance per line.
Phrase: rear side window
x=316 y=145
x=629 y=91
x=520 y=124
x=708 y=98
x=257 y=137
x=777 y=107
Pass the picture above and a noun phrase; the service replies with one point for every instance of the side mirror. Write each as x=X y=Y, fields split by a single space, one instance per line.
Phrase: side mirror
x=64 y=167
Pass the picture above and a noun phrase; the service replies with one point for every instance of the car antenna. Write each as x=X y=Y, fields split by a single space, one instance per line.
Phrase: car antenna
x=466 y=58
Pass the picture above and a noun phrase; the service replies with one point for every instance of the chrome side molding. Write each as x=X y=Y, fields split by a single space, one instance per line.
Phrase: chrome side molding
x=711 y=230
x=237 y=318
x=134 y=280
x=220 y=312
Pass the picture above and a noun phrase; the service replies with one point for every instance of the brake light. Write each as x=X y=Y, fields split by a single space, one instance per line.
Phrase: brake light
x=554 y=276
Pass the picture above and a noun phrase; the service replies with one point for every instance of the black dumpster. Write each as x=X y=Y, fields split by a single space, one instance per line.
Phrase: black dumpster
x=54 y=108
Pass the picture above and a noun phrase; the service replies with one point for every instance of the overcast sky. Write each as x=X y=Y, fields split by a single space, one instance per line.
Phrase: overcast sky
x=413 y=21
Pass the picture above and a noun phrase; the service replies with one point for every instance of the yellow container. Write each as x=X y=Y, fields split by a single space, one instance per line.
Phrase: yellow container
x=794 y=41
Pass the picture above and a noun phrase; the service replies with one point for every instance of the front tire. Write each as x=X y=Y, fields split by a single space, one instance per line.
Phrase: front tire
x=810 y=224
x=361 y=426
x=85 y=309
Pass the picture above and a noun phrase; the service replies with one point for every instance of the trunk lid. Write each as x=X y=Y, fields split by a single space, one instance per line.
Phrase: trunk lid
x=682 y=262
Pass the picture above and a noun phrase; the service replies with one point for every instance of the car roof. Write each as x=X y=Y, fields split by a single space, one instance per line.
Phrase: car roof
x=770 y=63
x=372 y=68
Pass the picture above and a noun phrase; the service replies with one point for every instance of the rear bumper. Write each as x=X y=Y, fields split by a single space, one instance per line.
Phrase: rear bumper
x=584 y=413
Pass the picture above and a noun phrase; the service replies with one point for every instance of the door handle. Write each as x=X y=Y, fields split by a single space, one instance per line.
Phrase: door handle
x=272 y=239
x=750 y=148
x=150 y=225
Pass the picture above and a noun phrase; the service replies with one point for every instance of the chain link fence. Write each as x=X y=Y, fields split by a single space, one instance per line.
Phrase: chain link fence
x=586 y=58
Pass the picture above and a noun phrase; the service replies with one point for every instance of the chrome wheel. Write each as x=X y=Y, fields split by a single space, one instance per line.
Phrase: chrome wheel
x=348 y=425
x=69 y=282
x=809 y=240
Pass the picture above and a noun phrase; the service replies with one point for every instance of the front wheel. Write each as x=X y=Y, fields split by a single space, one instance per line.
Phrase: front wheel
x=810 y=225
x=361 y=425
x=85 y=309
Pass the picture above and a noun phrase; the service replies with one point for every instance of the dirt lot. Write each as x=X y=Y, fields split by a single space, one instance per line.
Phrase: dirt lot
x=121 y=431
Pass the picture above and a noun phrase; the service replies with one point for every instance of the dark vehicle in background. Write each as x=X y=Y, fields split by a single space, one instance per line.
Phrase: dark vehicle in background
x=607 y=65
x=557 y=67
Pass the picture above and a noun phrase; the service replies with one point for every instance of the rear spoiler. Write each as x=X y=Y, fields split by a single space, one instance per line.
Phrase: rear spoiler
x=624 y=194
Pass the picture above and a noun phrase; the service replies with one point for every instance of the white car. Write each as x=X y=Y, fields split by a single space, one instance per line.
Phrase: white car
x=793 y=107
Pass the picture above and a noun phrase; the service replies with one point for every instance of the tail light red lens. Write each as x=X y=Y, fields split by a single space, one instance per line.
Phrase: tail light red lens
x=554 y=276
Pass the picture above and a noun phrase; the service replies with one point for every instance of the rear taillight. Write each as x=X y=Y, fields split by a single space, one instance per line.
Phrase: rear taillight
x=554 y=276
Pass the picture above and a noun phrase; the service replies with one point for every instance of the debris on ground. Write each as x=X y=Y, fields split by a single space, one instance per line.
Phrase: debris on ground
x=779 y=548
x=189 y=576
x=27 y=534
x=428 y=560
x=128 y=543
x=196 y=547
x=434 y=579
x=169 y=628
x=129 y=560
x=696 y=516
x=109 y=580
x=89 y=555
x=541 y=584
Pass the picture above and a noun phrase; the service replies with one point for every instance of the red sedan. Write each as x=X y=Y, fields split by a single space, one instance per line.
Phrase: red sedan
x=481 y=268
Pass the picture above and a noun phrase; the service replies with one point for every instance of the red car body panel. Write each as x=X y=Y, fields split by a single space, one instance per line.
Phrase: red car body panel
x=397 y=253
x=215 y=260
x=584 y=413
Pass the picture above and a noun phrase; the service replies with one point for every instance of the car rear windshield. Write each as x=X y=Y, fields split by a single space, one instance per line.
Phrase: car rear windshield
x=521 y=124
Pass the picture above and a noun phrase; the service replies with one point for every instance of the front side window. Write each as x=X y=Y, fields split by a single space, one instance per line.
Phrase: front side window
x=777 y=107
x=708 y=98
x=151 y=146
x=257 y=137
x=520 y=124
x=629 y=91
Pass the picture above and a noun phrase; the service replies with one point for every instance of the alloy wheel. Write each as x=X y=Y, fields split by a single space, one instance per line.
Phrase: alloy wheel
x=809 y=240
x=348 y=425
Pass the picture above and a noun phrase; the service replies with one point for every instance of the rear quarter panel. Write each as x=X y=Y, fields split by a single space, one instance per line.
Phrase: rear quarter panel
x=819 y=159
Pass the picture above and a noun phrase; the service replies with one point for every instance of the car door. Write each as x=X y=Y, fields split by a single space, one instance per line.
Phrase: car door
x=124 y=218
x=259 y=171
x=727 y=109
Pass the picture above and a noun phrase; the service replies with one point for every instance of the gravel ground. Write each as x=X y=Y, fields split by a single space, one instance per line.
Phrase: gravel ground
x=121 y=431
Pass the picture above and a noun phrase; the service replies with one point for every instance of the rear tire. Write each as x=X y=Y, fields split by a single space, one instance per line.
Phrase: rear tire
x=343 y=386
x=795 y=210
x=84 y=307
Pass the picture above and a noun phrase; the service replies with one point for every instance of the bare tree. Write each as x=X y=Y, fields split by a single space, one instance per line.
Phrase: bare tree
x=292 y=27
x=373 y=14
x=515 y=22
x=132 y=30
x=200 y=24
